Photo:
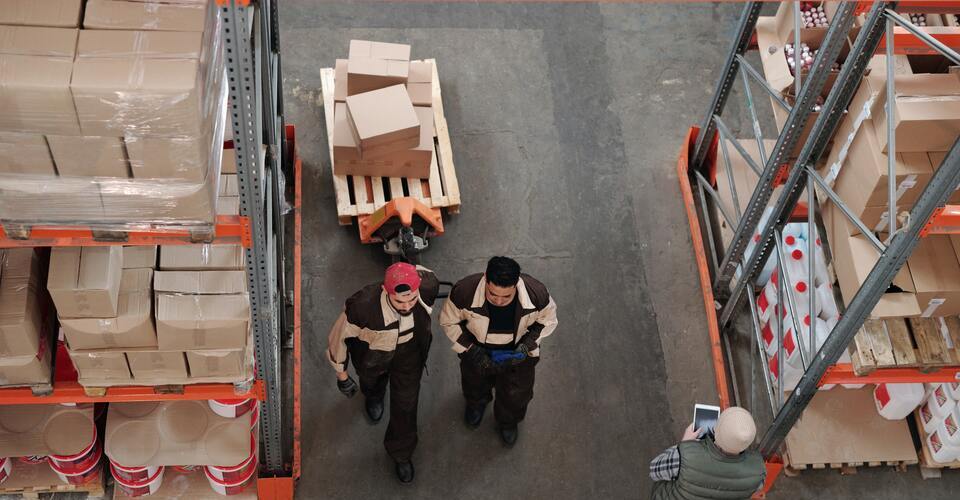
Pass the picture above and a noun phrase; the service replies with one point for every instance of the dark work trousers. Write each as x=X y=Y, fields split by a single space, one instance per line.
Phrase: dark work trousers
x=402 y=373
x=513 y=385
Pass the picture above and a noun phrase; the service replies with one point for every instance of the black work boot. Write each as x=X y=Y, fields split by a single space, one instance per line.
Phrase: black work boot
x=473 y=415
x=508 y=434
x=374 y=408
x=405 y=472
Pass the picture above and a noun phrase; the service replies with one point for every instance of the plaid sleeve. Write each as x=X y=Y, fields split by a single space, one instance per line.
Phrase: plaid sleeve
x=666 y=466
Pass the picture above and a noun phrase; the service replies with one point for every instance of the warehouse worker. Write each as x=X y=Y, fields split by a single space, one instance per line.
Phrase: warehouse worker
x=496 y=321
x=385 y=329
x=705 y=466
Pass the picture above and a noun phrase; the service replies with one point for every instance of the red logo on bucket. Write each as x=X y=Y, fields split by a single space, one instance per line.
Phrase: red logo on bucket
x=925 y=414
x=941 y=395
x=788 y=344
x=767 y=334
x=951 y=425
x=935 y=441
x=882 y=394
x=762 y=302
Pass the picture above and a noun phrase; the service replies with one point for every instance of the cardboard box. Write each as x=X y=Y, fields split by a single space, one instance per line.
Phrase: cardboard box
x=773 y=33
x=412 y=163
x=185 y=158
x=133 y=325
x=206 y=257
x=202 y=310
x=228 y=162
x=936 y=160
x=200 y=282
x=340 y=81
x=43 y=430
x=228 y=185
x=53 y=13
x=35 y=82
x=926 y=114
x=420 y=83
x=25 y=154
x=121 y=15
x=383 y=121
x=147 y=44
x=26 y=370
x=85 y=282
x=228 y=205
x=157 y=366
x=174 y=433
x=24 y=311
x=216 y=363
x=936 y=276
x=181 y=202
x=87 y=156
x=854 y=257
x=375 y=65
x=101 y=366
x=140 y=257
x=70 y=200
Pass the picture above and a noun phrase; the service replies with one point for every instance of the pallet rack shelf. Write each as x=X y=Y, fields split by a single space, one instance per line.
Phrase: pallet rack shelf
x=726 y=274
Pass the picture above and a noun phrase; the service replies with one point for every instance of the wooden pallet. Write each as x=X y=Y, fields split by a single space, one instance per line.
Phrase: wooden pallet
x=363 y=195
x=99 y=389
x=926 y=343
x=929 y=468
x=30 y=480
x=198 y=233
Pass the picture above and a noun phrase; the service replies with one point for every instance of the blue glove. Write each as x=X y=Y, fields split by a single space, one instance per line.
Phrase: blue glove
x=501 y=356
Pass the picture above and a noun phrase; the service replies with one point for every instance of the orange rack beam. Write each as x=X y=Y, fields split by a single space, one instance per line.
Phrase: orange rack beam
x=905 y=43
x=945 y=220
x=72 y=392
x=916 y=6
x=229 y=229
x=842 y=373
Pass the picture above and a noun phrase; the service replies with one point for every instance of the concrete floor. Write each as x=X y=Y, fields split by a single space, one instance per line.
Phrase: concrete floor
x=565 y=122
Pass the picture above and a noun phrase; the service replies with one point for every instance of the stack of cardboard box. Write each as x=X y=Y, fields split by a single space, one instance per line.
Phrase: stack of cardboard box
x=117 y=122
x=383 y=116
x=26 y=326
x=126 y=323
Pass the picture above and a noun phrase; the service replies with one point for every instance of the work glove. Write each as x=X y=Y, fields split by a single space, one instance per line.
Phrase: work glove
x=528 y=343
x=506 y=356
x=348 y=387
x=478 y=357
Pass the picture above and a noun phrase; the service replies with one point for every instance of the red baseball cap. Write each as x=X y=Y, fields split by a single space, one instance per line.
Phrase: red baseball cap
x=398 y=274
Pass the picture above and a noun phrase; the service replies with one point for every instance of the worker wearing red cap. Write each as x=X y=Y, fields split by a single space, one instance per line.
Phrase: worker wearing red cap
x=385 y=329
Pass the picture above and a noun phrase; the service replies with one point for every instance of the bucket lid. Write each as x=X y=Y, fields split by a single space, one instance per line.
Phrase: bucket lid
x=137 y=484
x=225 y=484
x=65 y=458
x=124 y=468
x=58 y=469
x=253 y=453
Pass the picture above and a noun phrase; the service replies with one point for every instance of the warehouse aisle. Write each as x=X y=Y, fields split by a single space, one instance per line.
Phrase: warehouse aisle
x=565 y=122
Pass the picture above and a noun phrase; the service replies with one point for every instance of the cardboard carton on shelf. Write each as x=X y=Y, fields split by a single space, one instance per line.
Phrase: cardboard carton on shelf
x=123 y=15
x=159 y=201
x=414 y=162
x=202 y=309
x=936 y=276
x=375 y=65
x=936 y=160
x=44 y=430
x=84 y=282
x=70 y=200
x=383 y=121
x=133 y=325
x=184 y=158
x=205 y=257
x=26 y=370
x=88 y=156
x=174 y=433
x=228 y=185
x=926 y=113
x=23 y=305
x=228 y=161
x=216 y=363
x=99 y=366
x=340 y=81
x=140 y=257
x=228 y=205
x=35 y=81
x=149 y=367
x=420 y=83
x=50 y=13
x=25 y=154
x=773 y=34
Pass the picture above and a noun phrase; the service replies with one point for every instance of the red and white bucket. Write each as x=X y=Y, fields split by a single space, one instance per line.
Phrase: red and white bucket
x=77 y=476
x=239 y=471
x=80 y=461
x=145 y=487
x=255 y=416
x=6 y=465
x=132 y=474
x=228 y=488
x=32 y=459
x=232 y=408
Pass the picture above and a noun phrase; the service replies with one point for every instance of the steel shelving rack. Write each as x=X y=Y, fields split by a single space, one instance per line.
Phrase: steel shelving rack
x=251 y=43
x=727 y=275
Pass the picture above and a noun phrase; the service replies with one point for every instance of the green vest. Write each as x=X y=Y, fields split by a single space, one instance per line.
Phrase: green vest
x=707 y=473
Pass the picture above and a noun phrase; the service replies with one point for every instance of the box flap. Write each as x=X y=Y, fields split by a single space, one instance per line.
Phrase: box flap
x=61 y=13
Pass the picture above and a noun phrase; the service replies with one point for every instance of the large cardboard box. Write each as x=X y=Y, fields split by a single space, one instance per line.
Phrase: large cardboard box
x=46 y=199
x=926 y=113
x=420 y=83
x=85 y=282
x=375 y=65
x=206 y=257
x=200 y=282
x=936 y=160
x=25 y=154
x=157 y=366
x=185 y=158
x=130 y=43
x=122 y=15
x=340 y=81
x=229 y=185
x=936 y=276
x=228 y=161
x=26 y=370
x=53 y=13
x=228 y=205
x=216 y=363
x=383 y=121
x=42 y=430
x=414 y=162
x=24 y=311
x=88 y=156
x=140 y=257
x=773 y=33
x=35 y=82
x=100 y=366
x=202 y=310
x=133 y=326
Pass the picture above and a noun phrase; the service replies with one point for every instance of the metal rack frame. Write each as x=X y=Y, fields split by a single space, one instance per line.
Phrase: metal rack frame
x=882 y=29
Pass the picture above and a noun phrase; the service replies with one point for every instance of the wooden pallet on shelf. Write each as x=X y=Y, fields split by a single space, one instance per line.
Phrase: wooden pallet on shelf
x=929 y=468
x=30 y=480
x=926 y=343
x=99 y=389
x=362 y=195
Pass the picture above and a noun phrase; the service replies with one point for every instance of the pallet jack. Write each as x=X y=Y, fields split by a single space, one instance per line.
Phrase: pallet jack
x=404 y=226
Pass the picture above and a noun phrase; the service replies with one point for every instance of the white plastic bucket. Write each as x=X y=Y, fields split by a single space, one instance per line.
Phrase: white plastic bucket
x=6 y=466
x=236 y=472
x=940 y=401
x=140 y=488
x=226 y=488
x=928 y=419
x=78 y=477
x=79 y=462
x=949 y=427
x=940 y=450
x=232 y=408
x=132 y=474
x=954 y=388
x=896 y=401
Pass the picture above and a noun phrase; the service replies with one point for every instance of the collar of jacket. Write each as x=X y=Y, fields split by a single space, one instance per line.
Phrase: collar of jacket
x=390 y=314
x=479 y=295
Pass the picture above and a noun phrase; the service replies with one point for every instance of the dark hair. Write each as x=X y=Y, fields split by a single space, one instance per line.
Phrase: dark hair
x=401 y=288
x=503 y=271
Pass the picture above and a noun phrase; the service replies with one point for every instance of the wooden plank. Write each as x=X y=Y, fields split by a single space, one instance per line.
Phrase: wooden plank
x=451 y=187
x=362 y=196
x=902 y=347
x=880 y=345
x=30 y=480
x=414 y=186
x=396 y=188
x=378 y=200
x=345 y=210
x=861 y=354
x=930 y=343
x=952 y=324
x=437 y=199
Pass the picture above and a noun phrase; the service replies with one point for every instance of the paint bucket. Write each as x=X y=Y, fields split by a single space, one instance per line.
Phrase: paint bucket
x=79 y=462
x=146 y=487
x=255 y=416
x=228 y=488
x=940 y=450
x=896 y=401
x=236 y=472
x=6 y=466
x=950 y=428
x=79 y=477
x=132 y=474
x=232 y=408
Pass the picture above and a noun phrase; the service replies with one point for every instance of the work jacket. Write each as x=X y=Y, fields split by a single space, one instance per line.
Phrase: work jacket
x=706 y=473
x=371 y=322
x=465 y=316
